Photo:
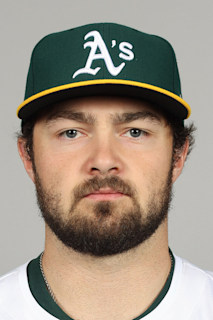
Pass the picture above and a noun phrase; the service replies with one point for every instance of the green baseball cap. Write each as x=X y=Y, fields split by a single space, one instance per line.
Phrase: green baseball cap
x=103 y=59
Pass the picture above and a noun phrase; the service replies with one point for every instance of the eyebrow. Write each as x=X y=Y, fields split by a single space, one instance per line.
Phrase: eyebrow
x=132 y=116
x=117 y=118
x=71 y=115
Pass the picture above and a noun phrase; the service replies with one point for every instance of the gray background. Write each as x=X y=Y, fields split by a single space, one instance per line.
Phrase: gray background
x=188 y=25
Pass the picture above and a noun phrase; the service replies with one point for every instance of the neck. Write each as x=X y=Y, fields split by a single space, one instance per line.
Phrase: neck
x=124 y=285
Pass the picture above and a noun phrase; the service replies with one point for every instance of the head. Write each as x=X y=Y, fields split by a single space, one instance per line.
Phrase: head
x=103 y=137
x=77 y=148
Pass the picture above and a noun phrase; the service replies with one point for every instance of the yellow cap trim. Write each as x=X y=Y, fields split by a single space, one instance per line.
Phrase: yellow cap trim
x=105 y=81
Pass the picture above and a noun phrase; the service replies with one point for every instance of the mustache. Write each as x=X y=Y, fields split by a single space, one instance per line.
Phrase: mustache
x=113 y=182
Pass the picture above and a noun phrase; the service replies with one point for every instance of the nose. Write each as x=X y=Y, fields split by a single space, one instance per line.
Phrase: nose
x=104 y=158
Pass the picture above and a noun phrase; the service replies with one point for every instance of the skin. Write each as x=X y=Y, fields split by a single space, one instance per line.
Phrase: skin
x=123 y=285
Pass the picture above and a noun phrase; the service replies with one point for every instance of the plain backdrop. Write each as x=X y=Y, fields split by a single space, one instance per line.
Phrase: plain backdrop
x=188 y=25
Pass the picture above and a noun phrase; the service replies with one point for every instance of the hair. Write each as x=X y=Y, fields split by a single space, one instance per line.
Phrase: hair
x=181 y=132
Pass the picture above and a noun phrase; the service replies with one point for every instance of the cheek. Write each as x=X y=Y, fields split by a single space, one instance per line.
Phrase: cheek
x=56 y=169
x=150 y=170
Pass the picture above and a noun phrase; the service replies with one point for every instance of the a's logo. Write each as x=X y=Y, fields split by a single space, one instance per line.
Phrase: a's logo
x=98 y=45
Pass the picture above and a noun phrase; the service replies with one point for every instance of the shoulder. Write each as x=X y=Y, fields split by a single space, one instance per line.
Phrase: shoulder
x=16 y=300
x=11 y=277
x=190 y=295
x=10 y=280
x=190 y=272
x=195 y=290
x=11 y=289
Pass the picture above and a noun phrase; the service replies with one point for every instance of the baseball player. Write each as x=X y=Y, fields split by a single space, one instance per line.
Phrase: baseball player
x=103 y=138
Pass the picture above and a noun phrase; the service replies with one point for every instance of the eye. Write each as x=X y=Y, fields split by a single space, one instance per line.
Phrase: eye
x=136 y=133
x=71 y=133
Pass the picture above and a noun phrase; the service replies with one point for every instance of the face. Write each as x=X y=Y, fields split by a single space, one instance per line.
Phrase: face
x=103 y=173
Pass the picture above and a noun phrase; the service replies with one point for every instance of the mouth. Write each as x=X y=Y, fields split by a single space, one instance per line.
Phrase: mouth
x=105 y=194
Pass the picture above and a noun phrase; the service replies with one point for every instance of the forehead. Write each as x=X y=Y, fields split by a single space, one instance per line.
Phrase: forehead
x=96 y=107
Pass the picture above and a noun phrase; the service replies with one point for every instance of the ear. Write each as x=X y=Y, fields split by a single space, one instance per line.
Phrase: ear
x=22 y=149
x=179 y=162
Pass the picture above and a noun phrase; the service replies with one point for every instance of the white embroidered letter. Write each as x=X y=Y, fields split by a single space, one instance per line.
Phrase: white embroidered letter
x=126 y=53
x=98 y=43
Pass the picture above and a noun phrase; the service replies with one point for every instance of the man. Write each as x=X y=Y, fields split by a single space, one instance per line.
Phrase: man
x=103 y=139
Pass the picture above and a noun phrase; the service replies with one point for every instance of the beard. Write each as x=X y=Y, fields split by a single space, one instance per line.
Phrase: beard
x=103 y=228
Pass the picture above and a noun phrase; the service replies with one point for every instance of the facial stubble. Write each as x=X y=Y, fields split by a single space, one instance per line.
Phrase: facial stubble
x=114 y=226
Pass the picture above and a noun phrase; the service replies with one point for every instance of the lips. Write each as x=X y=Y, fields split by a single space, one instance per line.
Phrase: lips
x=104 y=194
x=105 y=191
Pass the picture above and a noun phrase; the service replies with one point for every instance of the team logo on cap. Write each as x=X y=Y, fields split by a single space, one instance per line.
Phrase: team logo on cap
x=98 y=45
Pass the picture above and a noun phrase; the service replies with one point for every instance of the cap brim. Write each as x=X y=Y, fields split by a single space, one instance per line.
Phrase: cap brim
x=167 y=100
